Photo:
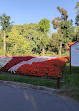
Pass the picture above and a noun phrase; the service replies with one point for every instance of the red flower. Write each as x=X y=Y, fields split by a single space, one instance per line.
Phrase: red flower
x=51 y=68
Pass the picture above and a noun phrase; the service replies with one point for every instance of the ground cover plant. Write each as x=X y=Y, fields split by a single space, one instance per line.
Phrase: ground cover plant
x=36 y=66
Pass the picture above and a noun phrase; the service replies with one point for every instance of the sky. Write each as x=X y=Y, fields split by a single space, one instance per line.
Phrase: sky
x=32 y=11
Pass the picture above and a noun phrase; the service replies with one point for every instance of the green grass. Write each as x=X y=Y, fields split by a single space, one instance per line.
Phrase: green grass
x=29 y=80
x=70 y=84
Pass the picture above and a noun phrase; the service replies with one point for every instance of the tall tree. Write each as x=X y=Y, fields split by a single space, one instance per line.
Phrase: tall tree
x=77 y=17
x=6 y=26
x=1 y=43
x=77 y=32
x=44 y=26
x=57 y=24
x=68 y=31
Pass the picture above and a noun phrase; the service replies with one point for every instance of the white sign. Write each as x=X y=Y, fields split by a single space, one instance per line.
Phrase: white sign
x=75 y=54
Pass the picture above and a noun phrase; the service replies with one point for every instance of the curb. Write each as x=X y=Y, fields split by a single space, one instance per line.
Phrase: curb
x=30 y=86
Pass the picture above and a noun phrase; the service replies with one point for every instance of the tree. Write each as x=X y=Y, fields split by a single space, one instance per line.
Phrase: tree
x=77 y=17
x=57 y=24
x=6 y=26
x=77 y=32
x=17 y=44
x=68 y=31
x=1 y=43
x=64 y=27
x=54 y=43
x=23 y=39
x=19 y=28
x=44 y=26
x=30 y=32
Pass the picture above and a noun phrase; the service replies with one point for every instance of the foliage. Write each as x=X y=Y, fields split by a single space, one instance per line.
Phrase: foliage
x=5 y=22
x=23 y=39
x=54 y=43
x=65 y=30
x=63 y=13
x=6 y=26
x=77 y=17
x=44 y=26
x=57 y=21
x=30 y=31
x=68 y=31
x=1 y=42
x=16 y=44
x=77 y=32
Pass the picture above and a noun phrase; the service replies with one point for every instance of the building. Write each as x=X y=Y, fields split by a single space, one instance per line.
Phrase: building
x=74 y=54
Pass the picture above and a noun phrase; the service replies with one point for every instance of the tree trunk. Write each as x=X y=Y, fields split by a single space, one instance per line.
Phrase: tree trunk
x=60 y=49
x=4 y=43
x=43 y=44
x=43 y=50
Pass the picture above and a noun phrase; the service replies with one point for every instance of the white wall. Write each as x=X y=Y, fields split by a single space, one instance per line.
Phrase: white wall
x=75 y=54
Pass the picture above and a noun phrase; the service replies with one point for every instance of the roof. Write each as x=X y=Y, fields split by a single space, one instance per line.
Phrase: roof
x=74 y=43
x=70 y=43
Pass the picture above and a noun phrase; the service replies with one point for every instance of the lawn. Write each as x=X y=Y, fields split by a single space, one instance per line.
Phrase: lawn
x=70 y=84
x=28 y=79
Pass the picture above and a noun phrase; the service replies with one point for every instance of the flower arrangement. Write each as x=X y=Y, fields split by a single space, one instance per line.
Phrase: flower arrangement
x=53 y=68
x=15 y=67
x=15 y=60
x=36 y=66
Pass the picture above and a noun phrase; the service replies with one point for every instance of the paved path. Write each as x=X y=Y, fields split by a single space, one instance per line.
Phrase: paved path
x=13 y=98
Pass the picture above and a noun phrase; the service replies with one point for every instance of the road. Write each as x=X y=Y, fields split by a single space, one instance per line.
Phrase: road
x=13 y=98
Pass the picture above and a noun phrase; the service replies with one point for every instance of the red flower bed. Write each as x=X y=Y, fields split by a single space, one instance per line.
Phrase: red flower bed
x=15 y=60
x=52 y=68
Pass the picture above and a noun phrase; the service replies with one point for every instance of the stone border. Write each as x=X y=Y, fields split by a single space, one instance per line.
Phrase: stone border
x=30 y=86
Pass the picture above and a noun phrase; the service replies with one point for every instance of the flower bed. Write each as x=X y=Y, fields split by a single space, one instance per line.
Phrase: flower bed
x=36 y=66
x=50 y=68
x=15 y=60
x=38 y=59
